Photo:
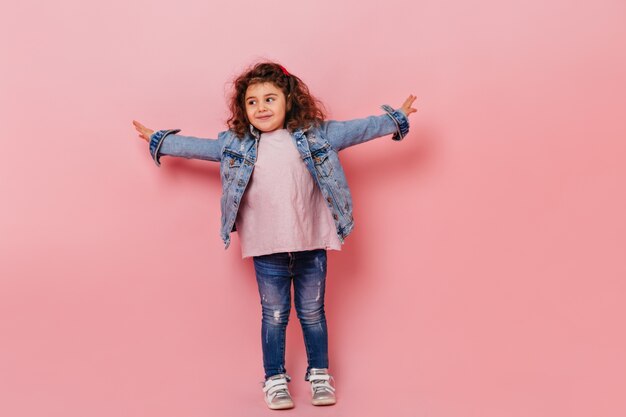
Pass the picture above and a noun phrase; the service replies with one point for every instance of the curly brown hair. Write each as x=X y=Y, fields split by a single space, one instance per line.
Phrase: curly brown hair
x=302 y=108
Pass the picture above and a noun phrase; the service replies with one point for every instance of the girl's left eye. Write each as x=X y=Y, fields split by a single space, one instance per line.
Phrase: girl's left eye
x=270 y=98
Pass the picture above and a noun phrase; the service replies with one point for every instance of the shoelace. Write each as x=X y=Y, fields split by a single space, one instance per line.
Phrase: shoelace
x=321 y=382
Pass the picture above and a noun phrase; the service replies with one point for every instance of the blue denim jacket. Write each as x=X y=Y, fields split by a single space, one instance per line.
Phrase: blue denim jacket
x=318 y=146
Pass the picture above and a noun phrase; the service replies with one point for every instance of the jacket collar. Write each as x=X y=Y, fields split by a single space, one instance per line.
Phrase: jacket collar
x=255 y=132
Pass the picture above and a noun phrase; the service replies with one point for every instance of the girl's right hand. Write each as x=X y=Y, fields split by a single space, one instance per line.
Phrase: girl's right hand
x=406 y=106
x=144 y=132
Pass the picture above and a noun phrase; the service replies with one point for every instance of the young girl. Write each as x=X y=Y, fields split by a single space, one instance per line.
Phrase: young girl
x=284 y=191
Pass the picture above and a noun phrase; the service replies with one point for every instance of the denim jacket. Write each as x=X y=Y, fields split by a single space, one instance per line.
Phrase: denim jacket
x=318 y=146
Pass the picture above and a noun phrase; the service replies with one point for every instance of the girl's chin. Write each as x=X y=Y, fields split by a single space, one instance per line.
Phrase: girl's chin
x=267 y=128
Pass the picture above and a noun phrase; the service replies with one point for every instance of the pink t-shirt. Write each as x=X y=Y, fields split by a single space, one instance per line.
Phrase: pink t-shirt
x=283 y=209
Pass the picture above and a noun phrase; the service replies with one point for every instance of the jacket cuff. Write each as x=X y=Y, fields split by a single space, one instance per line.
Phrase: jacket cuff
x=156 y=140
x=400 y=119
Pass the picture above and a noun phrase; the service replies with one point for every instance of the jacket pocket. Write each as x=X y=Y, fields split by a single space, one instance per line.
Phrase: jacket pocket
x=323 y=164
x=230 y=164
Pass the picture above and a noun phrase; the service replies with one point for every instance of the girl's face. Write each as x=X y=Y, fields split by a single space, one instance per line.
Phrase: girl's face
x=265 y=106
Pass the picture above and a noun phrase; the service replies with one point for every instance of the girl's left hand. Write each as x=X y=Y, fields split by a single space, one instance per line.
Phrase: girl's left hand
x=144 y=132
x=406 y=106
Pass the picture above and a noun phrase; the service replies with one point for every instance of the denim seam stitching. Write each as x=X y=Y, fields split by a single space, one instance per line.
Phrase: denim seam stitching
x=156 y=141
x=401 y=121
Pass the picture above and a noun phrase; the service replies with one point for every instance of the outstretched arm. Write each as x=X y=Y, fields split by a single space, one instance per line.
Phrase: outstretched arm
x=167 y=142
x=343 y=134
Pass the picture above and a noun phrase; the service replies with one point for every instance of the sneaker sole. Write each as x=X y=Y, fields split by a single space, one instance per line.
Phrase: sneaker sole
x=328 y=401
x=281 y=406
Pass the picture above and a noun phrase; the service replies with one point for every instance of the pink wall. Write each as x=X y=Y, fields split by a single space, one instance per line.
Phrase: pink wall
x=496 y=289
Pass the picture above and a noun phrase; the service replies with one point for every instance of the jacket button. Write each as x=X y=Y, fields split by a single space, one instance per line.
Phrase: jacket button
x=232 y=162
x=329 y=200
x=335 y=216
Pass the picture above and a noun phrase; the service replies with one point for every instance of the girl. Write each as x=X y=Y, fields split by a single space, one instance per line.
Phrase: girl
x=285 y=193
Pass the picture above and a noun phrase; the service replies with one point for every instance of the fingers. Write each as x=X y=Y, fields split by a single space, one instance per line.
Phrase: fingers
x=407 y=105
x=409 y=100
x=144 y=132
x=140 y=128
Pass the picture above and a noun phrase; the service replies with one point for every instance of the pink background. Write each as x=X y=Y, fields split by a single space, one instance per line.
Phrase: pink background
x=485 y=275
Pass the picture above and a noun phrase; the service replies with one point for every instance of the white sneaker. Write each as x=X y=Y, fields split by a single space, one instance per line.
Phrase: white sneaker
x=322 y=392
x=277 y=395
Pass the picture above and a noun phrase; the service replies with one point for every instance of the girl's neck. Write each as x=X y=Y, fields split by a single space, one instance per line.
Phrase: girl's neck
x=273 y=131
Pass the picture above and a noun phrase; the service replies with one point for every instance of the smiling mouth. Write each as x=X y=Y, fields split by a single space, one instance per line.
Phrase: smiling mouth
x=264 y=117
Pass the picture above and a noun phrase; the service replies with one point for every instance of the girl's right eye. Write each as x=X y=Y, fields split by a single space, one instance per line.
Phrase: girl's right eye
x=251 y=102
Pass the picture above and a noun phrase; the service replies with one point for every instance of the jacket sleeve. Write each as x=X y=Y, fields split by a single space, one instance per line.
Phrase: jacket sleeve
x=343 y=134
x=167 y=142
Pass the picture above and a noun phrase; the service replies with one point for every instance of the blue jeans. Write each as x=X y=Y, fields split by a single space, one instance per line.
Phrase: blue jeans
x=274 y=273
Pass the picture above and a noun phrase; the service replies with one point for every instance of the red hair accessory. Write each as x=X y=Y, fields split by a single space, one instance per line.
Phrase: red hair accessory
x=284 y=70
